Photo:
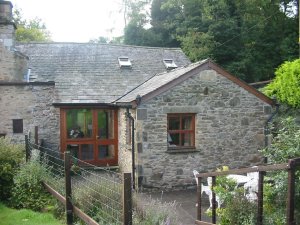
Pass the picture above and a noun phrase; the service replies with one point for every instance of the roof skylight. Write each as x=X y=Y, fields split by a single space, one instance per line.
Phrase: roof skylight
x=124 y=62
x=169 y=64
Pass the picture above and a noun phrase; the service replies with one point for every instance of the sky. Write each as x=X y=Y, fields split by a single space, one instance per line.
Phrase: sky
x=76 y=20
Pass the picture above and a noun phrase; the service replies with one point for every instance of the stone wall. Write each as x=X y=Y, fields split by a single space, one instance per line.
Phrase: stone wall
x=229 y=125
x=33 y=104
x=125 y=153
x=13 y=65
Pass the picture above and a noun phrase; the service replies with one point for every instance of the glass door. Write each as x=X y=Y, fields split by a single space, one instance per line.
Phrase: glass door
x=106 y=138
x=91 y=135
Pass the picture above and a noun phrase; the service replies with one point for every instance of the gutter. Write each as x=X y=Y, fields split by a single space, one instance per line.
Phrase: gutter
x=267 y=129
x=129 y=116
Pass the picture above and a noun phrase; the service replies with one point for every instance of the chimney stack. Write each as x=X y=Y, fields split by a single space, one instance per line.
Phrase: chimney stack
x=7 y=26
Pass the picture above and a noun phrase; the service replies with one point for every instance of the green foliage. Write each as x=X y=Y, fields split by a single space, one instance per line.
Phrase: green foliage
x=28 y=191
x=103 y=40
x=11 y=156
x=285 y=145
x=249 y=38
x=198 y=45
x=32 y=30
x=286 y=85
x=25 y=217
x=286 y=142
x=236 y=209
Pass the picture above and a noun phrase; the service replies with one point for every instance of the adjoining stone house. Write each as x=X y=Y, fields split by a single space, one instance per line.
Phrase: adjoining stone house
x=86 y=97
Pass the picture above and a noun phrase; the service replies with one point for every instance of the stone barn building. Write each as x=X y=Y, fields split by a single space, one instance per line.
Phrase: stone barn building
x=109 y=102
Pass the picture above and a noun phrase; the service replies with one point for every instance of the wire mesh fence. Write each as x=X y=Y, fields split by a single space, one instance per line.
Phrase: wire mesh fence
x=98 y=192
x=95 y=191
x=53 y=161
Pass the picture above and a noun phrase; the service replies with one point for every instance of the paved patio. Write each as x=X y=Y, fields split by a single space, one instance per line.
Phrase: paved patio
x=186 y=200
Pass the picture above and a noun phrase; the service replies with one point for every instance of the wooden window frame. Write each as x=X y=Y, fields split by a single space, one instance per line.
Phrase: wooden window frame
x=182 y=131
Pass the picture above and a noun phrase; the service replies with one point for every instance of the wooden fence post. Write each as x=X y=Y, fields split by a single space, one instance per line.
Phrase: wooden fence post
x=260 y=195
x=36 y=135
x=27 y=148
x=199 y=206
x=69 y=205
x=290 y=217
x=127 y=199
x=213 y=215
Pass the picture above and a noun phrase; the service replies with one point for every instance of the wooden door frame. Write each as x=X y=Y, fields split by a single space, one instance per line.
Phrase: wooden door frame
x=64 y=140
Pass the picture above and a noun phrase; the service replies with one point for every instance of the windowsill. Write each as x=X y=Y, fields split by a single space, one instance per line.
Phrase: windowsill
x=172 y=150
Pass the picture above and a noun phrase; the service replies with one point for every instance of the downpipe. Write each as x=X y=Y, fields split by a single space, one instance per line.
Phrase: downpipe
x=129 y=116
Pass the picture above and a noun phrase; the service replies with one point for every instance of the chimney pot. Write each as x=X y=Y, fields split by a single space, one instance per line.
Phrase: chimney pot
x=7 y=26
x=6 y=12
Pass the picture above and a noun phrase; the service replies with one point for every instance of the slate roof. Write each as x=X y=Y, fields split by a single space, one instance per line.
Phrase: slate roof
x=157 y=81
x=90 y=73
x=162 y=82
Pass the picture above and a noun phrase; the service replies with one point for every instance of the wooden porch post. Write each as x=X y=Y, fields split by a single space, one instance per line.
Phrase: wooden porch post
x=69 y=205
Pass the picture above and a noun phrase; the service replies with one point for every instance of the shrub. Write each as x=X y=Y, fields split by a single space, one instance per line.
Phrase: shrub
x=285 y=145
x=11 y=156
x=28 y=191
x=151 y=211
x=236 y=209
x=286 y=85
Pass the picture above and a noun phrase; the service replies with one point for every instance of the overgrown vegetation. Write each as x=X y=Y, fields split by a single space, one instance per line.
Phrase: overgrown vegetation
x=151 y=211
x=28 y=191
x=285 y=145
x=238 y=210
x=11 y=155
x=101 y=199
x=98 y=197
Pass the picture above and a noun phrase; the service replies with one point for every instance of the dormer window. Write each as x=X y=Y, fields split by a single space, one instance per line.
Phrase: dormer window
x=169 y=64
x=124 y=62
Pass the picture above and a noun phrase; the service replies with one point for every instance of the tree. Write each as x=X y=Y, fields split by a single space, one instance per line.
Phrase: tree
x=32 y=30
x=249 y=38
x=286 y=85
x=100 y=39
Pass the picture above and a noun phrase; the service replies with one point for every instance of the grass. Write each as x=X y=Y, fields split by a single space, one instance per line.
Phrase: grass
x=10 y=216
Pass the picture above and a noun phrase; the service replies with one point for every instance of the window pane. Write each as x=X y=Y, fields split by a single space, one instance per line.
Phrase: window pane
x=187 y=123
x=79 y=123
x=17 y=126
x=174 y=123
x=87 y=152
x=106 y=151
x=174 y=140
x=187 y=139
x=106 y=124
